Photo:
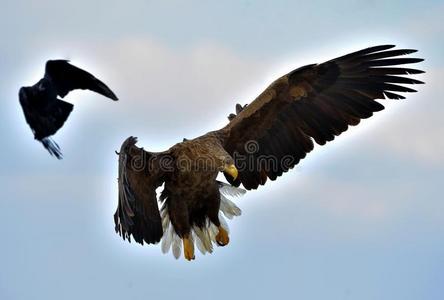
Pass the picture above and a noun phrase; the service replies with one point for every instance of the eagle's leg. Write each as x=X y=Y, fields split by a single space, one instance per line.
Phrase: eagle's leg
x=222 y=238
x=178 y=212
x=188 y=247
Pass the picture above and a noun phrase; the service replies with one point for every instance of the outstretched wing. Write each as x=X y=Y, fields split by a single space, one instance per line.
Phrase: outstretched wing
x=67 y=77
x=140 y=173
x=316 y=102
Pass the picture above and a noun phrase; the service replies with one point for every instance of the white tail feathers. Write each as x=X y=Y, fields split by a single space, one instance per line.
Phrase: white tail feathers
x=177 y=246
x=167 y=239
x=204 y=237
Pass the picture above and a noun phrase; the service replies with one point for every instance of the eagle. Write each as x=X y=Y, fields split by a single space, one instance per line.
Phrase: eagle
x=262 y=141
x=44 y=112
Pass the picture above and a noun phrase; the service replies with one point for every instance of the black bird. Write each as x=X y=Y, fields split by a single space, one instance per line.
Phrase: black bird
x=44 y=112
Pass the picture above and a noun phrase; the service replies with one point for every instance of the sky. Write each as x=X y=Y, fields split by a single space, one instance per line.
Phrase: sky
x=360 y=218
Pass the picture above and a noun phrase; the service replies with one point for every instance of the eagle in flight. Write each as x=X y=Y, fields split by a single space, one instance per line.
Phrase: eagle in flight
x=44 y=112
x=262 y=141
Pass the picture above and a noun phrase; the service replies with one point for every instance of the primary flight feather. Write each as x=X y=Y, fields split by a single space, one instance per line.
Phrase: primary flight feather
x=44 y=112
x=263 y=140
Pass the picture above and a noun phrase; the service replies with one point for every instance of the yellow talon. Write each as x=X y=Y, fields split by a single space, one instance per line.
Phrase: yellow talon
x=188 y=248
x=222 y=238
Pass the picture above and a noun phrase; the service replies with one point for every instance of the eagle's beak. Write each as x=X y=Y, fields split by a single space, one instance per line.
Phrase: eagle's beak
x=231 y=170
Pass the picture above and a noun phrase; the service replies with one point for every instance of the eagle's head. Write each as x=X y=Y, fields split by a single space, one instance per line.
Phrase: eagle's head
x=226 y=165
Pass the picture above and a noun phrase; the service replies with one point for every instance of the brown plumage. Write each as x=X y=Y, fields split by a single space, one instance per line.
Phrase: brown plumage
x=262 y=141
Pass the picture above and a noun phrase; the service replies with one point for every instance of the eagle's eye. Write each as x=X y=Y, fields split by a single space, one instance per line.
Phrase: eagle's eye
x=227 y=160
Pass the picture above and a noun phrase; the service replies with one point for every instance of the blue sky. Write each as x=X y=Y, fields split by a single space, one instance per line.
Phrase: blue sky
x=360 y=218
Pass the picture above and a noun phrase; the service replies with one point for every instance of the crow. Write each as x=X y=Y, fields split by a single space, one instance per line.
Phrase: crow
x=44 y=112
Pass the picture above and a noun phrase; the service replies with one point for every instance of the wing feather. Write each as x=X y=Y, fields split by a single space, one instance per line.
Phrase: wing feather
x=315 y=102
x=137 y=212
x=67 y=77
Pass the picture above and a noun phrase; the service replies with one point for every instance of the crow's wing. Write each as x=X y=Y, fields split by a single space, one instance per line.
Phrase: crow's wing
x=66 y=77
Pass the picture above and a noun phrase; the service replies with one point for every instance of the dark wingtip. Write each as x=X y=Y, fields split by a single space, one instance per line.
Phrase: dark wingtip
x=415 y=71
x=104 y=90
x=381 y=47
x=113 y=97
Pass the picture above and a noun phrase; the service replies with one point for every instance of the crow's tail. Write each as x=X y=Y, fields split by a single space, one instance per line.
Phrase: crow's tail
x=52 y=147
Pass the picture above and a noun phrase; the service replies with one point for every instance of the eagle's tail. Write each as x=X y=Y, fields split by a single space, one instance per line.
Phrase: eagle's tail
x=204 y=237
x=52 y=147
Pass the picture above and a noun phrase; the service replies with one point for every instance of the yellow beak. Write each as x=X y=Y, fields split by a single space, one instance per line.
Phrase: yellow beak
x=232 y=171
